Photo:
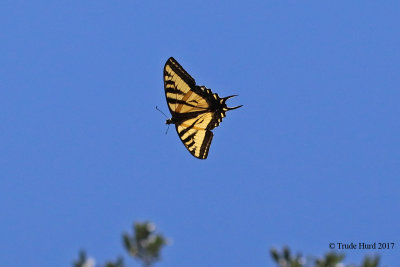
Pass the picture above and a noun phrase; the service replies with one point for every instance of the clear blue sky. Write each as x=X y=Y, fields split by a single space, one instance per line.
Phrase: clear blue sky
x=311 y=158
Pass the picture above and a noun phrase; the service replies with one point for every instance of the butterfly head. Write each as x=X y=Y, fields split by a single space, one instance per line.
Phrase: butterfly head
x=226 y=108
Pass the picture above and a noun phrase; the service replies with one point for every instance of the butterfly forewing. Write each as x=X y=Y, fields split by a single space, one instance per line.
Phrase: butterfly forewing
x=180 y=97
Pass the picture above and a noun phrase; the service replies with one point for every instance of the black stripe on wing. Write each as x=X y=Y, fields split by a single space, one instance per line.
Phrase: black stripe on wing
x=173 y=89
x=205 y=146
x=183 y=102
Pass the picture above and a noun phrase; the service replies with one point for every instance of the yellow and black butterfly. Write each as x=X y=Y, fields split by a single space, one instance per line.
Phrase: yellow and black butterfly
x=195 y=109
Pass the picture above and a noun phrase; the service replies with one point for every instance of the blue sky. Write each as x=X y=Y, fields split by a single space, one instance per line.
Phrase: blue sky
x=311 y=158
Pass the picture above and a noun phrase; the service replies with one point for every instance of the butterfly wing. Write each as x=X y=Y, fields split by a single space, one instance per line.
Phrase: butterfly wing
x=195 y=137
x=179 y=85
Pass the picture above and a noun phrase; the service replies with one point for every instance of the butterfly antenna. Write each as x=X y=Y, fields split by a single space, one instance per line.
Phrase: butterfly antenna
x=162 y=112
x=166 y=117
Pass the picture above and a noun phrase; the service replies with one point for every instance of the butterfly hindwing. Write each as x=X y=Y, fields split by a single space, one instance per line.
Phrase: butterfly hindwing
x=195 y=140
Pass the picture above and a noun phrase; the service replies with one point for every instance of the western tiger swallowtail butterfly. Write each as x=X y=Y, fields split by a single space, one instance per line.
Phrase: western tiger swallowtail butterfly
x=195 y=109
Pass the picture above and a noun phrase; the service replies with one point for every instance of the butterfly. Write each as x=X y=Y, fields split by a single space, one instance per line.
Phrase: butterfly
x=195 y=109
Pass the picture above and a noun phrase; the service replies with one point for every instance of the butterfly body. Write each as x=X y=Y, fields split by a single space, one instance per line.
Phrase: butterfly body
x=195 y=109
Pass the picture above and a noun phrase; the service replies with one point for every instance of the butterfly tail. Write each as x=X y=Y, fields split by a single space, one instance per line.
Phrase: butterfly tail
x=230 y=108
